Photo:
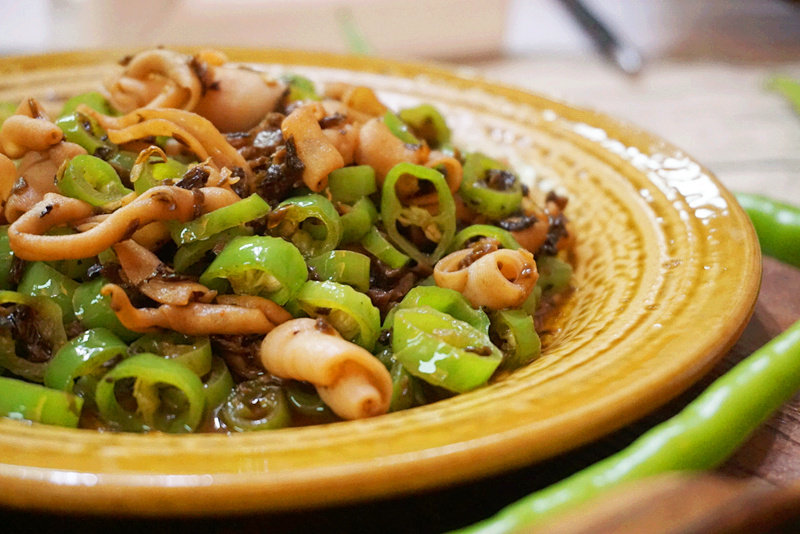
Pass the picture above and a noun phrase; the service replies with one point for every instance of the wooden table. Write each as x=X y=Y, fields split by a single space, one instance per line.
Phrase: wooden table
x=721 y=115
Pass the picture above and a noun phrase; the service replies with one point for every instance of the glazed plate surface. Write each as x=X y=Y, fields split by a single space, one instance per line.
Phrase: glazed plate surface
x=667 y=269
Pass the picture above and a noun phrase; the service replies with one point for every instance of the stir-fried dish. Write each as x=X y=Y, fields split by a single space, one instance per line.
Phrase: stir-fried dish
x=201 y=248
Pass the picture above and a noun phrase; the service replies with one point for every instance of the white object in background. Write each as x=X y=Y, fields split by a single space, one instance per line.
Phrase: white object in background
x=409 y=28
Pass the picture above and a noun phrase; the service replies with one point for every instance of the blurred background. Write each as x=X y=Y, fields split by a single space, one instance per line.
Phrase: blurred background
x=703 y=79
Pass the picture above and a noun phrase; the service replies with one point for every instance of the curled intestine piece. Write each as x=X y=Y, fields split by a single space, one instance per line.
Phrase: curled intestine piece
x=270 y=309
x=345 y=139
x=350 y=380
x=156 y=78
x=379 y=148
x=319 y=156
x=196 y=132
x=238 y=98
x=193 y=319
x=500 y=279
x=28 y=242
x=145 y=270
x=8 y=175
x=20 y=134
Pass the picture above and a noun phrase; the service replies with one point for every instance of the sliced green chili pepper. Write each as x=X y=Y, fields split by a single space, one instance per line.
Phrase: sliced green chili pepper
x=357 y=222
x=400 y=129
x=46 y=323
x=344 y=267
x=463 y=237
x=259 y=265
x=379 y=246
x=554 y=274
x=439 y=228
x=255 y=405
x=92 y=99
x=41 y=279
x=192 y=253
x=93 y=310
x=444 y=300
x=214 y=222
x=310 y=222
x=81 y=356
x=6 y=259
x=300 y=88
x=701 y=436
x=406 y=388
x=92 y=180
x=351 y=313
x=305 y=402
x=217 y=384
x=157 y=394
x=489 y=188
x=6 y=110
x=427 y=123
x=514 y=334
x=349 y=184
x=443 y=351
x=194 y=352
x=152 y=167
x=32 y=402
x=777 y=225
x=83 y=130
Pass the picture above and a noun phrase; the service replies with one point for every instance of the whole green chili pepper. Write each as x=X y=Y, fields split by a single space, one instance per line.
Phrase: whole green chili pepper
x=41 y=279
x=191 y=254
x=194 y=352
x=444 y=300
x=259 y=265
x=168 y=396
x=344 y=267
x=81 y=356
x=6 y=259
x=349 y=184
x=443 y=351
x=400 y=129
x=376 y=244
x=489 y=188
x=93 y=310
x=255 y=405
x=777 y=225
x=516 y=337
x=504 y=237
x=351 y=313
x=310 y=222
x=92 y=180
x=439 y=228
x=214 y=222
x=357 y=222
x=426 y=122
x=32 y=402
x=706 y=432
x=92 y=99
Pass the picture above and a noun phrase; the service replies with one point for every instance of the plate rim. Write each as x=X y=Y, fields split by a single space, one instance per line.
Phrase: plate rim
x=197 y=494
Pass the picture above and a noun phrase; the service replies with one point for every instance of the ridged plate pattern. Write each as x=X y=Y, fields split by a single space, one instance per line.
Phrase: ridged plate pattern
x=666 y=274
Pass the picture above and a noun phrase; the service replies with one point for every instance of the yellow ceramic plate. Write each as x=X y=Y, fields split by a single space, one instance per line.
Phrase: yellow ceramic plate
x=667 y=269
